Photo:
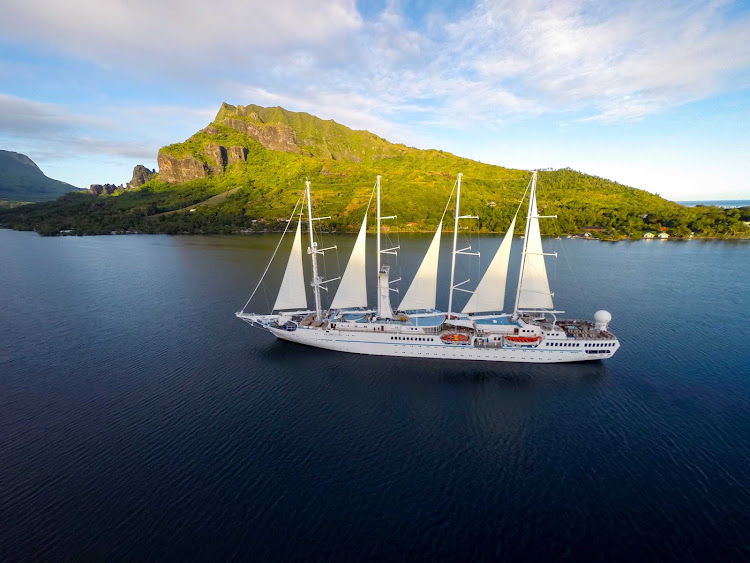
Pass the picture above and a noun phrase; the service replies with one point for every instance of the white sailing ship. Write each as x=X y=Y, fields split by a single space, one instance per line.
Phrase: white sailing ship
x=480 y=331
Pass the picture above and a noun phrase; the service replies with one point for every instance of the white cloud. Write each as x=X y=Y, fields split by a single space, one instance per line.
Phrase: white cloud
x=516 y=59
x=490 y=65
x=126 y=135
x=22 y=117
x=625 y=61
x=501 y=60
x=176 y=32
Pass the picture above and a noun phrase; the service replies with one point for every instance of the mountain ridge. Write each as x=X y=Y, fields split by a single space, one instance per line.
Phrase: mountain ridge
x=268 y=153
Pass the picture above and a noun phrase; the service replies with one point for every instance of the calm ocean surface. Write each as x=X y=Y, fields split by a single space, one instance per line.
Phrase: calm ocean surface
x=718 y=202
x=140 y=420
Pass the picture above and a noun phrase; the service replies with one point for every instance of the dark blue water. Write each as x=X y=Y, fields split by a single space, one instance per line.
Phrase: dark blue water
x=140 y=420
x=718 y=202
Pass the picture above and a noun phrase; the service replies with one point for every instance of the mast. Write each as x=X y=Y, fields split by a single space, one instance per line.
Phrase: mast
x=313 y=250
x=384 y=284
x=378 y=228
x=532 y=195
x=455 y=239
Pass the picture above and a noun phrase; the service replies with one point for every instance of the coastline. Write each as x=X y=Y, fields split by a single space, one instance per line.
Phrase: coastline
x=394 y=231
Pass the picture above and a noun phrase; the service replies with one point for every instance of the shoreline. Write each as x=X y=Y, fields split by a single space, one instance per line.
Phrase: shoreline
x=275 y=232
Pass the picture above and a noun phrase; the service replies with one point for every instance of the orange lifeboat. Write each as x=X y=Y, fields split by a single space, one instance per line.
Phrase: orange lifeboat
x=523 y=339
x=454 y=337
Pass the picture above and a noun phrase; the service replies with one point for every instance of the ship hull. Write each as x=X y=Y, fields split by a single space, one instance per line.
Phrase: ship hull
x=378 y=343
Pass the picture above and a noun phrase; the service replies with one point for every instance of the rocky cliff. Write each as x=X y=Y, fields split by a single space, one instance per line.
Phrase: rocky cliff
x=99 y=189
x=226 y=142
x=212 y=160
x=141 y=175
x=273 y=137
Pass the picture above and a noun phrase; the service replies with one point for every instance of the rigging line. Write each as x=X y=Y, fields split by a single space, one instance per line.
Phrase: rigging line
x=520 y=203
x=450 y=197
x=272 y=257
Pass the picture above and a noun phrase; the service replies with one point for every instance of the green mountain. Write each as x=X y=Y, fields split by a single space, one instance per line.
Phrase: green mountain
x=246 y=170
x=22 y=180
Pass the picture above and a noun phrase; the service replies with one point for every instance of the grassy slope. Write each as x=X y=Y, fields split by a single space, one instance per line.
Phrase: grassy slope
x=342 y=165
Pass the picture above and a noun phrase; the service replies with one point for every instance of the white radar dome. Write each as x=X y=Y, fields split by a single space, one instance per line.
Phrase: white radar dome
x=602 y=319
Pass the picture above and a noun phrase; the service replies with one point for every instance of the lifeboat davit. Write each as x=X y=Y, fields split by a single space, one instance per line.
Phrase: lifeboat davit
x=523 y=339
x=454 y=337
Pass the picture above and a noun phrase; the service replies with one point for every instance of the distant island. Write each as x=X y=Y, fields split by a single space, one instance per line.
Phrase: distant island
x=22 y=181
x=245 y=170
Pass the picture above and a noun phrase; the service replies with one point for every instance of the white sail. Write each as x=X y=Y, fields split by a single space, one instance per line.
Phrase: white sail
x=352 y=291
x=534 y=290
x=292 y=293
x=423 y=289
x=490 y=293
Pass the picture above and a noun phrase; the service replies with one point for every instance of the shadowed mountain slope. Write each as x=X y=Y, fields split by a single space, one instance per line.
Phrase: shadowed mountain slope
x=22 y=180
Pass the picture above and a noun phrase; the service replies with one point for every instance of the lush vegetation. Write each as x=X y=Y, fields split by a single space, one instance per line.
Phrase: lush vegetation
x=342 y=165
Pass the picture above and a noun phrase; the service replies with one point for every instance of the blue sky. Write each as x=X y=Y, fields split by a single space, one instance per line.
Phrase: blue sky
x=651 y=94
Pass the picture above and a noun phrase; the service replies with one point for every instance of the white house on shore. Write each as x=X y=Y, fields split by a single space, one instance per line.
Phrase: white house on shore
x=648 y=235
x=663 y=235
